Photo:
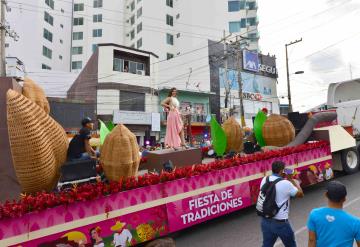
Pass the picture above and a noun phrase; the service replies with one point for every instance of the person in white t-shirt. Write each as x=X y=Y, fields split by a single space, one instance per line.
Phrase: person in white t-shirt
x=279 y=226
x=122 y=235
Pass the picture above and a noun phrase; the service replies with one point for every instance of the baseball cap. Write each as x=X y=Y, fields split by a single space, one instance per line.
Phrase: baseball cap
x=336 y=191
x=85 y=121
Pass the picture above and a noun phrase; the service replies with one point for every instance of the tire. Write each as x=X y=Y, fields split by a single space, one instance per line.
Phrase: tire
x=350 y=160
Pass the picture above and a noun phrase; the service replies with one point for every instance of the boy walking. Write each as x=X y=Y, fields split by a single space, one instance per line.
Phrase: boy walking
x=331 y=226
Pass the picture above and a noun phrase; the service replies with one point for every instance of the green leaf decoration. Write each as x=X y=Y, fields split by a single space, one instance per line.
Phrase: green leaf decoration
x=258 y=126
x=104 y=131
x=218 y=137
x=110 y=125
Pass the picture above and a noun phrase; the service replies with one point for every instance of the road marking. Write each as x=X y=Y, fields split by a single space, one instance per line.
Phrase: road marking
x=304 y=228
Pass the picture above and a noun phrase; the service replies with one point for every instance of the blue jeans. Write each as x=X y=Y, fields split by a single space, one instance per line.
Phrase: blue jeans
x=86 y=156
x=272 y=230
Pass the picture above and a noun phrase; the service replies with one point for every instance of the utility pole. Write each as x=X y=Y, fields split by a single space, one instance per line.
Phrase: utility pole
x=226 y=83
x=287 y=71
x=4 y=29
x=242 y=113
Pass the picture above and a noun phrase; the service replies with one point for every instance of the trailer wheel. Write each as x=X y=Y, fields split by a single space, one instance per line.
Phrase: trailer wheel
x=350 y=160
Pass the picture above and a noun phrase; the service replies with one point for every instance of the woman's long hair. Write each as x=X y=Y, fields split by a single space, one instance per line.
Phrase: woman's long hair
x=93 y=241
x=171 y=91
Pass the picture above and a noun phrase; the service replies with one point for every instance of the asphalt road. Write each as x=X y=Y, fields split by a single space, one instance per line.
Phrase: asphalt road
x=242 y=228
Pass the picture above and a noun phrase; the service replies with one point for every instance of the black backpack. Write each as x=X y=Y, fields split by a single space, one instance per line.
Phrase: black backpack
x=266 y=205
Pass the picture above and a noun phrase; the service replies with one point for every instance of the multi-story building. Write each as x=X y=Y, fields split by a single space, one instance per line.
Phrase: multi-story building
x=64 y=34
x=44 y=29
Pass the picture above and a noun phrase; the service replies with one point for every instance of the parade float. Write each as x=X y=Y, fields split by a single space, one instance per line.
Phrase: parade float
x=140 y=208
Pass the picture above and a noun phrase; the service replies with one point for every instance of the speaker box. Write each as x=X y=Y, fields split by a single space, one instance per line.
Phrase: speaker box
x=77 y=170
x=249 y=148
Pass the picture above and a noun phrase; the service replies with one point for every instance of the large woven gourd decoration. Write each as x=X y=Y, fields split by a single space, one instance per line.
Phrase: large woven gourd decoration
x=38 y=144
x=36 y=94
x=120 y=154
x=234 y=135
x=278 y=131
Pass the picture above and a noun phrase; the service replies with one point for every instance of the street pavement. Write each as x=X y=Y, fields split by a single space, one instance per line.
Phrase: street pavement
x=242 y=228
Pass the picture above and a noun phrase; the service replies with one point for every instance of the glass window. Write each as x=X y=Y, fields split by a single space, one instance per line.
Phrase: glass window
x=132 y=67
x=170 y=3
x=253 y=37
x=60 y=57
x=234 y=26
x=132 y=46
x=44 y=66
x=98 y=3
x=61 y=41
x=61 y=25
x=178 y=35
x=78 y=7
x=78 y=35
x=169 y=56
x=132 y=34
x=169 y=39
x=140 y=66
x=131 y=101
x=118 y=65
x=234 y=6
x=48 y=18
x=47 y=52
x=138 y=1
x=94 y=47
x=132 y=20
x=48 y=35
x=169 y=20
x=97 y=33
x=177 y=16
x=50 y=3
x=76 y=64
x=252 y=21
x=251 y=5
x=139 y=12
x=62 y=11
x=97 y=18
x=77 y=50
x=139 y=43
x=132 y=6
x=78 y=21
x=139 y=27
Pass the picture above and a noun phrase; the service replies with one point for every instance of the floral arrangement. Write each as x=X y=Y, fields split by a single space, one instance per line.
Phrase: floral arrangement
x=87 y=192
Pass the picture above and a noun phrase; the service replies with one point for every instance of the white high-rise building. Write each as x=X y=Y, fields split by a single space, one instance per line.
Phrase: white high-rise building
x=62 y=34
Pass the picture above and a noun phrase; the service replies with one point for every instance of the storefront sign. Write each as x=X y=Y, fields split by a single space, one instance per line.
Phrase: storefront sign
x=252 y=63
x=252 y=96
x=193 y=210
x=138 y=118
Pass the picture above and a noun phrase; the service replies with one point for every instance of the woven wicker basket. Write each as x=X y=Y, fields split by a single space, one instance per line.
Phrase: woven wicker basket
x=38 y=144
x=278 y=131
x=120 y=154
x=234 y=135
x=35 y=93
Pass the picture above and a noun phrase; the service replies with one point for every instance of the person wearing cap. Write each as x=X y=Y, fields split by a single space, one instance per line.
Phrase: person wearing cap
x=331 y=225
x=122 y=236
x=79 y=147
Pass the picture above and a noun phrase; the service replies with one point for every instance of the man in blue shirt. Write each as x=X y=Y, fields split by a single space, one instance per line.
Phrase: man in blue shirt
x=331 y=226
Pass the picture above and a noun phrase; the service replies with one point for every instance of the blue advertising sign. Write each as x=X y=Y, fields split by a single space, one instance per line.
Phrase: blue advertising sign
x=250 y=61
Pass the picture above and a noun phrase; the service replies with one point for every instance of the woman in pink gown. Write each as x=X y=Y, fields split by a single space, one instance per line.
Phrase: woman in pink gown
x=174 y=137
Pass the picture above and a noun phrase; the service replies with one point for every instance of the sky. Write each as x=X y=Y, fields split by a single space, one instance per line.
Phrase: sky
x=328 y=53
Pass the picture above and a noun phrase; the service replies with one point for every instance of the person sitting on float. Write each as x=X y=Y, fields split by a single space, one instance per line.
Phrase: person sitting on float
x=79 y=147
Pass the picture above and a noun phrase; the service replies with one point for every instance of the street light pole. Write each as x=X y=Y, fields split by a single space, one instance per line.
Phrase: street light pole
x=287 y=72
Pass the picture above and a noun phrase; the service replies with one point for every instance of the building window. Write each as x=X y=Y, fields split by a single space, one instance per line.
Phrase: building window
x=132 y=35
x=177 y=16
x=60 y=57
x=169 y=56
x=132 y=6
x=98 y=3
x=62 y=11
x=235 y=26
x=252 y=21
x=79 y=21
x=97 y=18
x=118 y=65
x=76 y=64
x=169 y=20
x=50 y=3
x=48 y=35
x=253 y=37
x=61 y=25
x=78 y=36
x=97 y=33
x=234 y=6
x=169 y=39
x=139 y=27
x=128 y=66
x=78 y=50
x=132 y=20
x=139 y=43
x=48 y=18
x=178 y=35
x=138 y=1
x=47 y=52
x=251 y=5
x=130 y=101
x=61 y=41
x=78 y=7
x=94 y=47
x=170 y=3
x=44 y=66
x=139 y=12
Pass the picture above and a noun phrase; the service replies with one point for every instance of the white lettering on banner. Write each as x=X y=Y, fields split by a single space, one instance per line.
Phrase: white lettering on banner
x=267 y=68
x=209 y=205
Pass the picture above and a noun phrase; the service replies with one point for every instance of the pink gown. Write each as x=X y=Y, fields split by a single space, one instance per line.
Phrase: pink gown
x=174 y=125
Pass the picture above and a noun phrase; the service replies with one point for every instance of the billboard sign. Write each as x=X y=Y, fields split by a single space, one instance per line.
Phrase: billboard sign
x=252 y=63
